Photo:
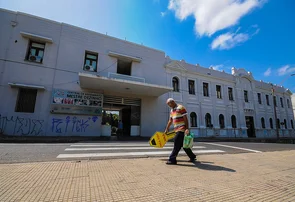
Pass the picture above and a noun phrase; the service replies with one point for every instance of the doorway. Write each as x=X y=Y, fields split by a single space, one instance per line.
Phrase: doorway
x=122 y=114
x=250 y=126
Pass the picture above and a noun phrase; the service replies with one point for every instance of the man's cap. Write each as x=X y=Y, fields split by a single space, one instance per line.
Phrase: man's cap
x=169 y=100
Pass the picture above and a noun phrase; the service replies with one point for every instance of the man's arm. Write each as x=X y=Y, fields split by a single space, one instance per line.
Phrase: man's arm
x=168 y=125
x=185 y=121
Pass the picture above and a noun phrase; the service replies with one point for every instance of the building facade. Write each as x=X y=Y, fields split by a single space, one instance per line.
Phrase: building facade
x=293 y=104
x=230 y=105
x=61 y=80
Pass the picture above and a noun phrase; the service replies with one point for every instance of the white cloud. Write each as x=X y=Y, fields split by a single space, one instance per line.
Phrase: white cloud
x=267 y=72
x=163 y=14
x=228 y=40
x=213 y=15
x=217 y=67
x=287 y=69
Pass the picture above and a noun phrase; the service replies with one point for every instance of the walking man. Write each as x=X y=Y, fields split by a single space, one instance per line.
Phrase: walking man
x=178 y=116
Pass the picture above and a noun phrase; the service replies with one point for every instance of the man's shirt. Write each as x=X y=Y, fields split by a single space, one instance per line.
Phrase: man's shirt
x=177 y=114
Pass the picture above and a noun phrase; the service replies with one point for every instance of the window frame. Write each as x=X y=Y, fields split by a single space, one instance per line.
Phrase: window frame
x=178 y=83
x=208 y=120
x=233 y=120
x=267 y=100
x=262 y=122
x=246 y=97
x=259 y=98
x=192 y=91
x=219 y=96
x=91 y=60
x=24 y=92
x=221 y=119
x=271 y=123
x=230 y=95
x=207 y=91
x=30 y=47
x=282 y=102
x=195 y=125
x=119 y=60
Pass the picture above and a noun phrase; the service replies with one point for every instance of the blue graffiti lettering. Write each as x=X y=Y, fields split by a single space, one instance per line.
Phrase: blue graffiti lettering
x=55 y=125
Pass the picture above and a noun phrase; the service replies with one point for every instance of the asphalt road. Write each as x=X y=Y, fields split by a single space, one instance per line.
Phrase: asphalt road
x=21 y=153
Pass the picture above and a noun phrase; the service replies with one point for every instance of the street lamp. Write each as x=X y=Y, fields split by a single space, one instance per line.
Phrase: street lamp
x=274 y=106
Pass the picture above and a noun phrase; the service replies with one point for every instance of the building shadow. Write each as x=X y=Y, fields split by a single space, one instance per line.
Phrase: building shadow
x=204 y=165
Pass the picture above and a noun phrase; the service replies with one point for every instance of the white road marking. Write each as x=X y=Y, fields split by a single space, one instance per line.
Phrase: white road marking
x=35 y=144
x=87 y=155
x=240 y=148
x=113 y=145
x=122 y=148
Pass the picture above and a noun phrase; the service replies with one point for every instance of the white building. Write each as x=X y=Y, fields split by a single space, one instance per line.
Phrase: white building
x=293 y=104
x=57 y=79
x=229 y=105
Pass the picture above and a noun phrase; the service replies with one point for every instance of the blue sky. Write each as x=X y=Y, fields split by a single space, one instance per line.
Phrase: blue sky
x=257 y=35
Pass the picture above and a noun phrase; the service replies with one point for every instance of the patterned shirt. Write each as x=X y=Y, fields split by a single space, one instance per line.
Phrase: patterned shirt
x=177 y=114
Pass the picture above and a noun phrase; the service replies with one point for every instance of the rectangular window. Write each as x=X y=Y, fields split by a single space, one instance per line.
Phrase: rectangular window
x=246 y=96
x=191 y=87
x=124 y=67
x=26 y=100
x=206 y=89
x=275 y=101
x=90 y=62
x=282 y=103
x=218 y=91
x=35 y=52
x=267 y=99
x=259 y=98
x=230 y=94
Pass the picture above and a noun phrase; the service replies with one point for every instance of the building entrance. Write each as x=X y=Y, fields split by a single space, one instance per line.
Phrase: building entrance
x=122 y=114
x=250 y=126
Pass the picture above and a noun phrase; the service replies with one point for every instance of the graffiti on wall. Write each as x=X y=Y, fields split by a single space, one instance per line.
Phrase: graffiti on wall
x=74 y=124
x=21 y=125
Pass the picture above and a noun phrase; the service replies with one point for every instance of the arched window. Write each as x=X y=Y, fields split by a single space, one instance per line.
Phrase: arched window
x=233 y=121
x=175 y=83
x=285 y=124
x=208 y=121
x=193 y=117
x=262 y=123
x=288 y=103
x=270 y=123
x=292 y=125
x=221 y=121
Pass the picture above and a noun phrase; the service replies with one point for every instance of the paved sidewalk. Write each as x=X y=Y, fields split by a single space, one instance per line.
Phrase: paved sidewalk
x=255 y=177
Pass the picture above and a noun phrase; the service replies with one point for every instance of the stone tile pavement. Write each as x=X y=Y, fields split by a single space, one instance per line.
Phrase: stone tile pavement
x=255 y=177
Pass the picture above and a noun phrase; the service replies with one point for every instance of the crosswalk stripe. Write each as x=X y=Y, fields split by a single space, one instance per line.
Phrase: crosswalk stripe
x=114 y=145
x=87 y=155
x=122 y=148
x=245 y=149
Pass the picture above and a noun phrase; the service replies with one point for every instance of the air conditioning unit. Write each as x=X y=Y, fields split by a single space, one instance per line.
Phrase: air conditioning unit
x=89 y=68
x=32 y=58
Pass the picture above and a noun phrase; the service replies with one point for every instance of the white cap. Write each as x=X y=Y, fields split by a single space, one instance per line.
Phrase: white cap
x=169 y=100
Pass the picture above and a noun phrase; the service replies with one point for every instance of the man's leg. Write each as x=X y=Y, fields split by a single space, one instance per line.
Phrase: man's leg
x=190 y=153
x=178 y=142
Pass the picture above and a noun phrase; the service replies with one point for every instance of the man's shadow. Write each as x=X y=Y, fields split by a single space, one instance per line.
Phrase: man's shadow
x=204 y=165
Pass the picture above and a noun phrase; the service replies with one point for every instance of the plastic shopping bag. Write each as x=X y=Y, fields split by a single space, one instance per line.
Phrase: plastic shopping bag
x=188 y=140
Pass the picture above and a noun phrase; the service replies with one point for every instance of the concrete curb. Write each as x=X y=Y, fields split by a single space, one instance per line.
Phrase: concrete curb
x=73 y=139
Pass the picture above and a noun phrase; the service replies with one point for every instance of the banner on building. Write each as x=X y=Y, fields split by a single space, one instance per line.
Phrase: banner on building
x=71 y=102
